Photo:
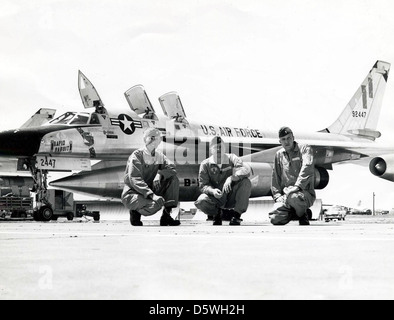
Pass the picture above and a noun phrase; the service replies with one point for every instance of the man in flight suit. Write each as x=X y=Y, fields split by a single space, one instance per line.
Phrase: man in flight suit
x=151 y=182
x=292 y=181
x=224 y=183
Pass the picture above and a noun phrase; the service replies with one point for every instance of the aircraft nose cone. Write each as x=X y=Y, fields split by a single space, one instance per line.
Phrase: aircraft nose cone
x=74 y=182
x=104 y=182
x=20 y=142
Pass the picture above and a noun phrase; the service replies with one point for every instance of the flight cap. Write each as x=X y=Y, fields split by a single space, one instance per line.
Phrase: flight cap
x=284 y=131
x=152 y=132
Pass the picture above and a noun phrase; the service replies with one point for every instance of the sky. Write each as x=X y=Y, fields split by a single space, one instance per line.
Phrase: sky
x=250 y=63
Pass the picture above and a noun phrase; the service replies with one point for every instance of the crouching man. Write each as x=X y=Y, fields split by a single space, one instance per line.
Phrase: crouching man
x=151 y=182
x=292 y=181
x=224 y=184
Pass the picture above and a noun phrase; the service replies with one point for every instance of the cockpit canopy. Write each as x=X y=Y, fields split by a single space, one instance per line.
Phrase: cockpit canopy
x=75 y=118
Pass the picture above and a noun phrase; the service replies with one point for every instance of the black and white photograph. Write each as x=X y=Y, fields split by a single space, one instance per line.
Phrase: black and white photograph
x=196 y=155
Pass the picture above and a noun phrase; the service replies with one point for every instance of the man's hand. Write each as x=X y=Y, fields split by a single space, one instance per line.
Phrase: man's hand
x=281 y=199
x=291 y=189
x=217 y=193
x=156 y=182
x=281 y=202
x=227 y=185
x=159 y=200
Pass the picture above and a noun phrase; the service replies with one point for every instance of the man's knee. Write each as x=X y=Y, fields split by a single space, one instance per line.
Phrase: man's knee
x=145 y=207
x=129 y=200
x=206 y=205
x=150 y=209
x=298 y=203
x=201 y=201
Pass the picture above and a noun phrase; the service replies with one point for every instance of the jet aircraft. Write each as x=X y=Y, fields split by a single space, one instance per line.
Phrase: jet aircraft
x=97 y=144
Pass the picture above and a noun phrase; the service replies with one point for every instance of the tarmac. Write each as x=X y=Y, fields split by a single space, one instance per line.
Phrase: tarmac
x=110 y=259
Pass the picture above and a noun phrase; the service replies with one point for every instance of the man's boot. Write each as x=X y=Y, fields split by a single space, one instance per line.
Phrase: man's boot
x=236 y=219
x=217 y=220
x=227 y=214
x=135 y=218
x=167 y=220
x=304 y=220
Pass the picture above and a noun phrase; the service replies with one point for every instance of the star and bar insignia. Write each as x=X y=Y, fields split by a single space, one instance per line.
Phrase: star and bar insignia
x=126 y=123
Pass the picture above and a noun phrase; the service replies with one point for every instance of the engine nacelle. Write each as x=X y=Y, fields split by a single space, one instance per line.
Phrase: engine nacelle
x=383 y=167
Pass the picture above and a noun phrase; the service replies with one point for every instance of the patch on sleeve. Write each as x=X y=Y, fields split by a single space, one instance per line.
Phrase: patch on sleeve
x=308 y=157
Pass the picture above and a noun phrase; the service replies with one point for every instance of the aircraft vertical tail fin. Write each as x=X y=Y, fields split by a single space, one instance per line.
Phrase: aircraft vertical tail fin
x=360 y=116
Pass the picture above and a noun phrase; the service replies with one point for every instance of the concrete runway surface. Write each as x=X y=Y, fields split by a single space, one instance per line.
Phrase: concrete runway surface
x=110 y=259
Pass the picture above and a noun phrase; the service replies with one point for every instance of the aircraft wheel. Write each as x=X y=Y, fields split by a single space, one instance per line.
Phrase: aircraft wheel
x=96 y=217
x=70 y=216
x=46 y=213
x=36 y=216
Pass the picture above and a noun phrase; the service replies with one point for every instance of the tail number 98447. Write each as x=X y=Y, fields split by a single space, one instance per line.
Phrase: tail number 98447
x=359 y=114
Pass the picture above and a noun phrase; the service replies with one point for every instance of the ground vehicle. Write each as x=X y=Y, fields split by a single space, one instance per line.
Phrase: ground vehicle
x=80 y=210
x=61 y=203
x=335 y=212
x=12 y=206
x=361 y=211
x=58 y=203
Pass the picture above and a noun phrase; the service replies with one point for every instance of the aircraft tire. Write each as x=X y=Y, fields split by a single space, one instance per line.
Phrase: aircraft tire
x=70 y=216
x=46 y=213
x=36 y=216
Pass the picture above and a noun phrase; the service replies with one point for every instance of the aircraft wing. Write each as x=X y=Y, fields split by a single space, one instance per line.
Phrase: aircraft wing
x=265 y=156
x=327 y=153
